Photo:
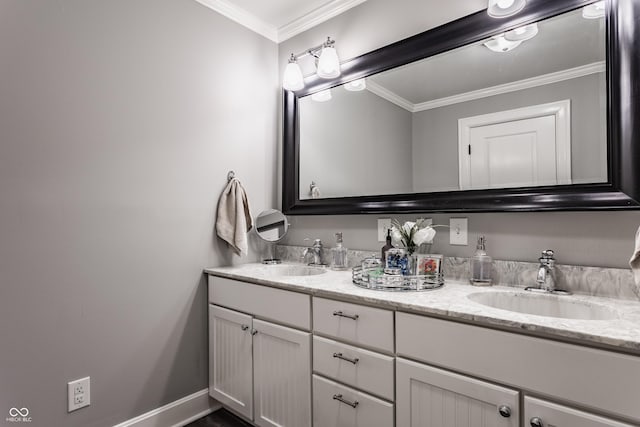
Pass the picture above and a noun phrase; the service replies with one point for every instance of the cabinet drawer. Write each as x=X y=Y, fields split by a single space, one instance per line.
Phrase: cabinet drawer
x=289 y=308
x=333 y=405
x=366 y=326
x=364 y=369
x=598 y=379
x=551 y=414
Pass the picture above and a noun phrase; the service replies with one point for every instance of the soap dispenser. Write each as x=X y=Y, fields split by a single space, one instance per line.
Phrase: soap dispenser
x=339 y=255
x=387 y=246
x=481 y=265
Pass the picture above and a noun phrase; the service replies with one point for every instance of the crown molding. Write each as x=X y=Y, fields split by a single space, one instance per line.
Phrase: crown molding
x=545 y=79
x=252 y=22
x=392 y=97
x=315 y=17
x=242 y=17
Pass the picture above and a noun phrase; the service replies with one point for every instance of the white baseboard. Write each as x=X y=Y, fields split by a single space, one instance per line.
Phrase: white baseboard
x=178 y=413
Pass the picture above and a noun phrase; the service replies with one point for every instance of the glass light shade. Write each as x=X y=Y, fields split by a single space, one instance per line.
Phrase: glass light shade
x=322 y=96
x=356 y=85
x=501 y=45
x=328 y=64
x=594 y=11
x=522 y=33
x=504 y=8
x=293 y=79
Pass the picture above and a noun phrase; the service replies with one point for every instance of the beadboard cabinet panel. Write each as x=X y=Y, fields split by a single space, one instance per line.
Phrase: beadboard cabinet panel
x=282 y=376
x=431 y=397
x=605 y=381
x=230 y=360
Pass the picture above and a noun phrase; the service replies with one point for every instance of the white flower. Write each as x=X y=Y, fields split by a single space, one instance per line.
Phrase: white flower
x=424 y=235
x=396 y=236
x=407 y=227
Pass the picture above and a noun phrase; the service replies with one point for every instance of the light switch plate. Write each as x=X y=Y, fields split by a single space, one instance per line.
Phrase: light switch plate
x=458 y=231
x=383 y=225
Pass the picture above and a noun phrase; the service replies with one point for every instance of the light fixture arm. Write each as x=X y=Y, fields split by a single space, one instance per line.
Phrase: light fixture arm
x=313 y=51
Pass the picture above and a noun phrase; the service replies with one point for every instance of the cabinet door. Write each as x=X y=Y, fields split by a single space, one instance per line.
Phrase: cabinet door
x=431 y=397
x=540 y=413
x=230 y=369
x=282 y=376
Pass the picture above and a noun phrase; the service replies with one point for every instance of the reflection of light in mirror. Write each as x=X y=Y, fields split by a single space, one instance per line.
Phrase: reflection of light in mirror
x=328 y=64
x=322 y=96
x=293 y=79
x=356 y=85
x=501 y=44
x=504 y=8
x=594 y=11
x=522 y=33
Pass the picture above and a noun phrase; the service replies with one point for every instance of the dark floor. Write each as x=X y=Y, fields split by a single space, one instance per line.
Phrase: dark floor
x=220 y=418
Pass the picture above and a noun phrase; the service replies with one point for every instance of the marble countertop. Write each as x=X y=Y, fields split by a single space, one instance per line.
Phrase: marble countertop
x=622 y=333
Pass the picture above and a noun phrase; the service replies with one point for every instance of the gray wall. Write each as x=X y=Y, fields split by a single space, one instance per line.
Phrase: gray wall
x=435 y=132
x=586 y=238
x=119 y=121
x=357 y=143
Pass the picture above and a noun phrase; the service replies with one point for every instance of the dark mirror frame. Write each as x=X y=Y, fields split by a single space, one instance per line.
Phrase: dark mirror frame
x=622 y=191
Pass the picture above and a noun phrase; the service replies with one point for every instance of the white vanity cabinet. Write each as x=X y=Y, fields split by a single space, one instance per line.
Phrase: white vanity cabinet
x=431 y=397
x=597 y=380
x=541 y=413
x=257 y=367
x=353 y=362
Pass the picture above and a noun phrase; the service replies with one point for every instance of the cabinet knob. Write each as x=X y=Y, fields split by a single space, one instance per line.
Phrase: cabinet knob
x=505 y=411
x=244 y=327
x=536 y=422
x=254 y=331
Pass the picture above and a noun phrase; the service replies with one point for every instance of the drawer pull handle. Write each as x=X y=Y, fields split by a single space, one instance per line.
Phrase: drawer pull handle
x=340 y=356
x=505 y=411
x=244 y=327
x=339 y=398
x=536 y=422
x=339 y=313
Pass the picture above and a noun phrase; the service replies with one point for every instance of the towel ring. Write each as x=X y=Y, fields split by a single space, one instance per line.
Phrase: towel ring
x=230 y=176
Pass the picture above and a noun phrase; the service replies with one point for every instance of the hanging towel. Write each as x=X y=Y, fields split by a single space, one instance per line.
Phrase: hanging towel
x=234 y=217
x=634 y=262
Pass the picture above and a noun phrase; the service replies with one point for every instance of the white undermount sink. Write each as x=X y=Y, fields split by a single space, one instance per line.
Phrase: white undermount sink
x=563 y=307
x=296 y=270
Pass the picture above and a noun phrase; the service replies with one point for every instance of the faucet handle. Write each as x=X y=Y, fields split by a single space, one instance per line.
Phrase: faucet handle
x=548 y=254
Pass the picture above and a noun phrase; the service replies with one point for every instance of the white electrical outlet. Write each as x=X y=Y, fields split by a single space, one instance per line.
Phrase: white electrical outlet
x=458 y=231
x=79 y=393
x=383 y=225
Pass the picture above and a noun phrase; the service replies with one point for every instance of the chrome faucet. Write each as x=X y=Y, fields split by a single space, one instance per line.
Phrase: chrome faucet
x=316 y=251
x=546 y=277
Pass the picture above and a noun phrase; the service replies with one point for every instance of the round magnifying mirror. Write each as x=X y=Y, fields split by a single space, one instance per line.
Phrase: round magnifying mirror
x=271 y=226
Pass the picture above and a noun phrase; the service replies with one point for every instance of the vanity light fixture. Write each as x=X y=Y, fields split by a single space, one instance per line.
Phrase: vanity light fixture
x=594 y=11
x=322 y=96
x=523 y=33
x=505 y=8
x=293 y=79
x=500 y=44
x=327 y=65
x=356 y=85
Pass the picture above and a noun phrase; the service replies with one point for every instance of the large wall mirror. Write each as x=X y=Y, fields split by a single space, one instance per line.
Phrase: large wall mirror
x=532 y=112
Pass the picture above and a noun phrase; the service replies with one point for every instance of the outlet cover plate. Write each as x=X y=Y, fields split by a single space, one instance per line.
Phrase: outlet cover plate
x=383 y=225
x=458 y=231
x=79 y=393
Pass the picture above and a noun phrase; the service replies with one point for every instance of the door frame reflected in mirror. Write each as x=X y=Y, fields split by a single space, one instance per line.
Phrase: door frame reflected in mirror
x=621 y=191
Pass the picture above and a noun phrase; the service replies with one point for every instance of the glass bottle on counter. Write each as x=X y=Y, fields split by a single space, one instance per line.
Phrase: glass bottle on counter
x=480 y=265
x=339 y=255
x=387 y=246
